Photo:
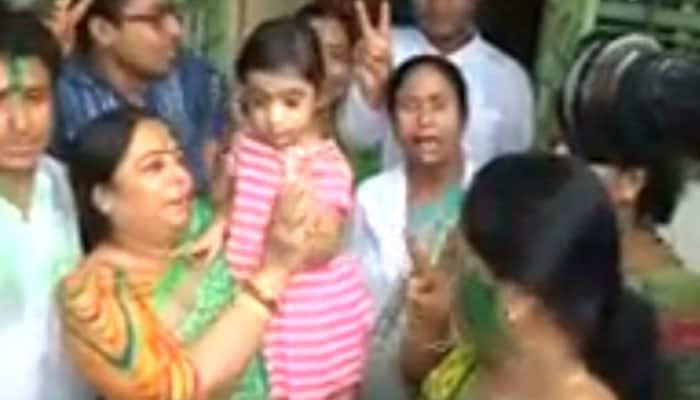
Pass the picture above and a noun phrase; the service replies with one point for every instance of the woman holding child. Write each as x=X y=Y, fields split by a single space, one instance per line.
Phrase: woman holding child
x=146 y=318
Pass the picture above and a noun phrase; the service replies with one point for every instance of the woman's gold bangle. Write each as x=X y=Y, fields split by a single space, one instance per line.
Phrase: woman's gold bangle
x=247 y=300
x=264 y=299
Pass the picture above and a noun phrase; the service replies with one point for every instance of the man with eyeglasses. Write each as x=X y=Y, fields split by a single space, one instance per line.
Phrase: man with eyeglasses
x=129 y=52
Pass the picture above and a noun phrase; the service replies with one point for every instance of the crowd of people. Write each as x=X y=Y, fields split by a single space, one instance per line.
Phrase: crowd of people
x=167 y=235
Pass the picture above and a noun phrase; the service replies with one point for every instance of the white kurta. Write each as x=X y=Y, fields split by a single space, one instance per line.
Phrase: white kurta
x=35 y=252
x=378 y=241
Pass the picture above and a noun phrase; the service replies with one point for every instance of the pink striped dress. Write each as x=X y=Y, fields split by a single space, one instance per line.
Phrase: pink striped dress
x=316 y=344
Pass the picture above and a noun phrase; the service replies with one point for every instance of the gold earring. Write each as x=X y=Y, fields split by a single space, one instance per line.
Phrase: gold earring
x=510 y=314
x=106 y=207
x=514 y=313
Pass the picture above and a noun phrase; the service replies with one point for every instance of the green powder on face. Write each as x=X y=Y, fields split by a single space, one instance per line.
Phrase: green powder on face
x=19 y=70
x=18 y=74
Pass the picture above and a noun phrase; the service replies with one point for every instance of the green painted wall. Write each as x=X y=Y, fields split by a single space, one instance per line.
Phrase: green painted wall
x=565 y=22
x=211 y=26
x=676 y=23
x=215 y=28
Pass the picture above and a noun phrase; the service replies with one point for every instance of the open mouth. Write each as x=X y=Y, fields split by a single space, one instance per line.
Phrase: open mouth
x=184 y=201
x=426 y=144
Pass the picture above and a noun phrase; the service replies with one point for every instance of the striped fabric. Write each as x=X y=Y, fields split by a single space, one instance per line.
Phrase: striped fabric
x=316 y=344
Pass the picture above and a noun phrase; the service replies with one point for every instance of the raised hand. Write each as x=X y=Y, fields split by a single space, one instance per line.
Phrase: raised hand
x=452 y=257
x=373 y=53
x=455 y=254
x=420 y=257
x=292 y=218
x=64 y=19
x=428 y=293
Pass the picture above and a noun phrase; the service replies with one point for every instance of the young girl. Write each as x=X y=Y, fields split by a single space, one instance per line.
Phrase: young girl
x=315 y=346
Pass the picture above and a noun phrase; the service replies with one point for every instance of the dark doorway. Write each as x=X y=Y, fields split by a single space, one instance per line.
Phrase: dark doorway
x=511 y=25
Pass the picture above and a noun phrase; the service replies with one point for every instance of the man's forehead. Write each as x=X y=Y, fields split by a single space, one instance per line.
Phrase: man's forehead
x=22 y=71
x=144 y=5
x=454 y=2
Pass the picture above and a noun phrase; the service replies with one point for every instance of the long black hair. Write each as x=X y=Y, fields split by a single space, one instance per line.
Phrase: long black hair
x=546 y=224
x=98 y=151
x=634 y=135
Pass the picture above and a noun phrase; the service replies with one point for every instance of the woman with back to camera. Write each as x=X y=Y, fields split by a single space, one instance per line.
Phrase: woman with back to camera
x=641 y=168
x=547 y=314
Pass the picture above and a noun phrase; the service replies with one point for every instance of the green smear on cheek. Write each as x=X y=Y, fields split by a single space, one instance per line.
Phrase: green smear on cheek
x=18 y=69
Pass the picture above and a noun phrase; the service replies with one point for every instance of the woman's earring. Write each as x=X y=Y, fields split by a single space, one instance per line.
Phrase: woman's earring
x=101 y=201
x=516 y=310
x=510 y=314
x=107 y=207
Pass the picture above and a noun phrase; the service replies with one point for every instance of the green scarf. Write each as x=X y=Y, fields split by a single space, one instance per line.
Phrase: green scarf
x=216 y=291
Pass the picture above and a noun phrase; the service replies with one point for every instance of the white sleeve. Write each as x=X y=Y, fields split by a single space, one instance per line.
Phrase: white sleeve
x=519 y=123
x=360 y=125
x=359 y=245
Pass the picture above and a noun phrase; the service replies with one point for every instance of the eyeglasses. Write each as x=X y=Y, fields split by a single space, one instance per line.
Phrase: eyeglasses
x=157 y=18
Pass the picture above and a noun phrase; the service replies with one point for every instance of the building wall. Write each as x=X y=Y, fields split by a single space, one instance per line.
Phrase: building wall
x=258 y=10
x=566 y=21
x=216 y=28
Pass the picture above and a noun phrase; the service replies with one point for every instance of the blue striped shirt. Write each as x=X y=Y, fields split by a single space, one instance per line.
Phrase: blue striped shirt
x=192 y=99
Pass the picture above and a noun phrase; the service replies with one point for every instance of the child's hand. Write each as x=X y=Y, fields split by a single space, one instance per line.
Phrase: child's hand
x=205 y=249
x=287 y=243
x=325 y=234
